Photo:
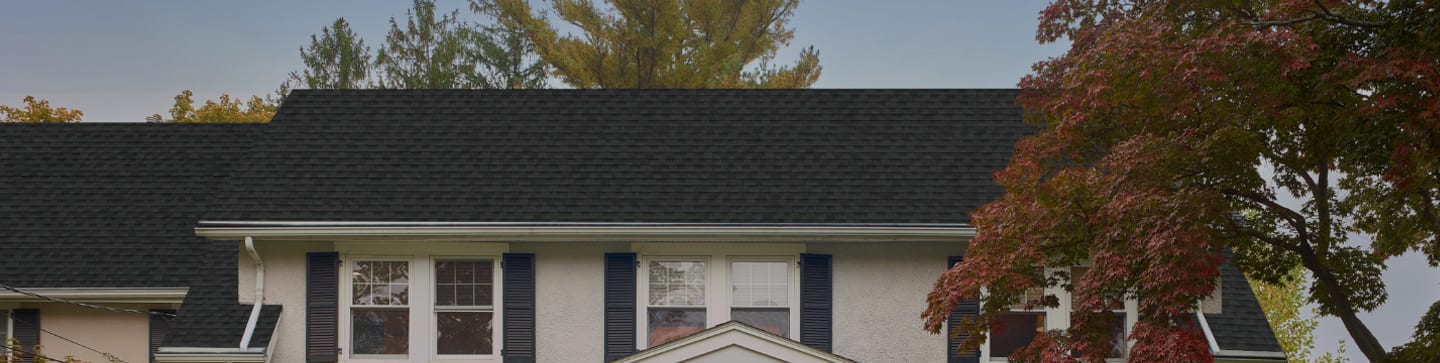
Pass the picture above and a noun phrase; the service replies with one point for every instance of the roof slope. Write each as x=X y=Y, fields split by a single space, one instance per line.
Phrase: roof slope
x=666 y=156
x=108 y=205
x=115 y=205
x=1242 y=326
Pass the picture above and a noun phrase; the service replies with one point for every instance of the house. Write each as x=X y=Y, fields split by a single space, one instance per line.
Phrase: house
x=524 y=226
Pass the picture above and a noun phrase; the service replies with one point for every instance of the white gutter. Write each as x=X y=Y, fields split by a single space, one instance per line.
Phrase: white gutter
x=110 y=295
x=585 y=232
x=259 y=294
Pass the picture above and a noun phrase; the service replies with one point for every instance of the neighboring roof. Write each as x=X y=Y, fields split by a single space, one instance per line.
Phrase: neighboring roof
x=730 y=342
x=109 y=205
x=114 y=205
x=681 y=156
x=1241 y=326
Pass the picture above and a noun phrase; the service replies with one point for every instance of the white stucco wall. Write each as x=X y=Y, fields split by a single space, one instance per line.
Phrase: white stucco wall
x=880 y=291
x=125 y=335
x=570 y=313
x=284 y=285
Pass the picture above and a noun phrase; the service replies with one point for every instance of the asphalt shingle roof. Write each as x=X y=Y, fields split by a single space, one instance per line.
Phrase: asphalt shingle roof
x=1241 y=325
x=115 y=205
x=678 y=156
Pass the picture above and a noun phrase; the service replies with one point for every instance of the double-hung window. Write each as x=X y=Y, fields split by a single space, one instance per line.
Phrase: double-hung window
x=380 y=310
x=760 y=294
x=421 y=302
x=1117 y=316
x=464 y=307
x=1011 y=331
x=676 y=306
x=687 y=288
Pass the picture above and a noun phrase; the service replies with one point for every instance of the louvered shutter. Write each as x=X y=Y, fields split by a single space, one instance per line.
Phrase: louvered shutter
x=25 y=329
x=519 y=307
x=620 y=295
x=159 y=327
x=322 y=299
x=965 y=313
x=817 y=302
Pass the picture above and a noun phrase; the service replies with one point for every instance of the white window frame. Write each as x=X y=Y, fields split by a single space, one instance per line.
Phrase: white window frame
x=717 y=257
x=494 y=311
x=792 y=289
x=349 y=298
x=422 y=346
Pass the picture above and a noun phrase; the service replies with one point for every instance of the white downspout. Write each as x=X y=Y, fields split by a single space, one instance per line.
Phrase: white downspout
x=259 y=294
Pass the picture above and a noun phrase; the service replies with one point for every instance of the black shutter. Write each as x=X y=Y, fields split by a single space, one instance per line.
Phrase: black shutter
x=159 y=327
x=620 y=295
x=965 y=313
x=25 y=327
x=519 y=308
x=322 y=299
x=817 y=301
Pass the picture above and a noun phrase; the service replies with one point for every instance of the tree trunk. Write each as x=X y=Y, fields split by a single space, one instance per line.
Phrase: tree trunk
x=1358 y=331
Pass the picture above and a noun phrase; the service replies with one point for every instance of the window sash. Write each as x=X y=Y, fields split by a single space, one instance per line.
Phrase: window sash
x=370 y=282
x=686 y=285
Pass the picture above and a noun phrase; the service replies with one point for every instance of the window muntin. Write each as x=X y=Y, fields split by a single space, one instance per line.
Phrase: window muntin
x=380 y=307
x=676 y=303
x=1117 y=315
x=760 y=295
x=464 y=306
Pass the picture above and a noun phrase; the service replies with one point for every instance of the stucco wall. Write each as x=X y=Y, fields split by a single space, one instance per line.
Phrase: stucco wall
x=284 y=285
x=569 y=282
x=125 y=335
x=880 y=292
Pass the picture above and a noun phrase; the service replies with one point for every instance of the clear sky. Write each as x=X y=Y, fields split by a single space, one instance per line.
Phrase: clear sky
x=120 y=61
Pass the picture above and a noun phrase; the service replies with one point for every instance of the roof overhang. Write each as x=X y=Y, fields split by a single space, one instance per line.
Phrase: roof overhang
x=733 y=341
x=163 y=295
x=506 y=231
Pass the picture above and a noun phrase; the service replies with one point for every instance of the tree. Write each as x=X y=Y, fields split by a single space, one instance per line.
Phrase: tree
x=337 y=59
x=1425 y=347
x=506 y=53
x=1283 y=304
x=667 y=43
x=226 y=110
x=1168 y=133
x=428 y=53
x=38 y=111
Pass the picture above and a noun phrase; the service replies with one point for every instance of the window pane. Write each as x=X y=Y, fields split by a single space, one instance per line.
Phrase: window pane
x=677 y=283
x=380 y=331
x=464 y=282
x=1118 y=351
x=381 y=283
x=464 y=333
x=1011 y=331
x=775 y=321
x=760 y=283
x=671 y=324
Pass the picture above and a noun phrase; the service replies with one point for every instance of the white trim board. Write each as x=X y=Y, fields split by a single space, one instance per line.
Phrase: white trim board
x=170 y=295
x=733 y=334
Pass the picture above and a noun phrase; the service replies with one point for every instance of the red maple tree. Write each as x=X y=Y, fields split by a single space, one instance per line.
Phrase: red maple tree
x=1170 y=132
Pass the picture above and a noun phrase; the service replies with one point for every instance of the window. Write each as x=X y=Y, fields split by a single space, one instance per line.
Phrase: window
x=760 y=293
x=1117 y=316
x=464 y=307
x=676 y=305
x=685 y=288
x=1009 y=332
x=380 y=311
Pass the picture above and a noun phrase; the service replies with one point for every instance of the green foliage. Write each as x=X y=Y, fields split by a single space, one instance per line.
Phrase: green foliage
x=337 y=59
x=428 y=50
x=38 y=111
x=1283 y=304
x=667 y=43
x=225 y=110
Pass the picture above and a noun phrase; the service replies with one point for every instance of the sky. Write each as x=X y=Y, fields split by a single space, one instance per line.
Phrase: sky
x=120 y=61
